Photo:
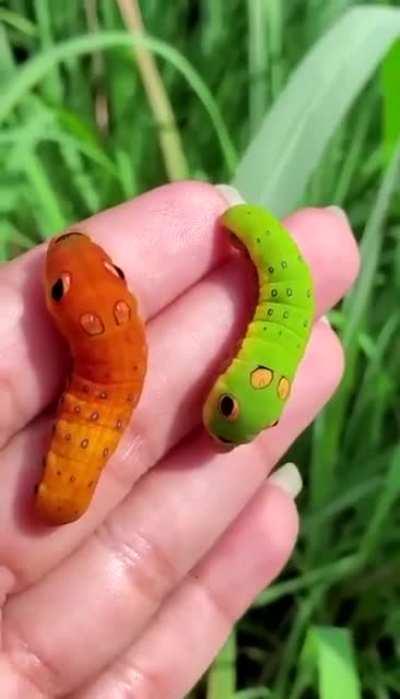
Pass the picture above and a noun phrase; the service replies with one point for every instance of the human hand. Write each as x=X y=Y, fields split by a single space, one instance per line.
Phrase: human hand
x=135 y=598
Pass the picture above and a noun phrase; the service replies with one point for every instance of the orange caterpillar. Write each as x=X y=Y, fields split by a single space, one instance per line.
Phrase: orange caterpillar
x=88 y=298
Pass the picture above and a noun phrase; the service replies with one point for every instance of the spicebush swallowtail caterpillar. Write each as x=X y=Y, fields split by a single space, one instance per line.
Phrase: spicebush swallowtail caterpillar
x=88 y=298
x=251 y=394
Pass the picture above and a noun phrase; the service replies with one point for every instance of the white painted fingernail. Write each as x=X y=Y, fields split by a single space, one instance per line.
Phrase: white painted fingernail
x=230 y=194
x=288 y=478
x=339 y=212
x=325 y=319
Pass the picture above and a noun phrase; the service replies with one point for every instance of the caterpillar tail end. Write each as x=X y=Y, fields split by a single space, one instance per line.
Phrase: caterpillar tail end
x=54 y=510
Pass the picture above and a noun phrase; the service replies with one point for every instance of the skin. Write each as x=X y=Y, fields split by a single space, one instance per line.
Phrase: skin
x=79 y=602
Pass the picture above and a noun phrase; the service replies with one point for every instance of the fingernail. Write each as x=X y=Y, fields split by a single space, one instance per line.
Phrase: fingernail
x=230 y=194
x=288 y=478
x=326 y=320
x=339 y=212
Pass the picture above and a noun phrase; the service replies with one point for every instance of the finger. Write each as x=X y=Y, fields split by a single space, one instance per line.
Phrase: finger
x=174 y=515
x=165 y=241
x=195 y=621
x=190 y=338
x=13 y=685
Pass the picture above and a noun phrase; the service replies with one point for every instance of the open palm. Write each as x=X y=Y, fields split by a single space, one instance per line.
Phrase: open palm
x=135 y=598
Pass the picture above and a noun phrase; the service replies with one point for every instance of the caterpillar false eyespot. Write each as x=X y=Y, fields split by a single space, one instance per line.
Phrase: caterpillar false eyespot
x=87 y=296
x=252 y=393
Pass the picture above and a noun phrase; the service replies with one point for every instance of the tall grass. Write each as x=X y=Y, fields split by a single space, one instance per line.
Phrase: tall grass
x=299 y=103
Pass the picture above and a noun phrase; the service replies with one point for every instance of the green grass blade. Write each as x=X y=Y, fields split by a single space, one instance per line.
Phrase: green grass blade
x=329 y=652
x=258 y=61
x=52 y=85
x=357 y=302
x=37 y=68
x=353 y=159
x=7 y=63
x=280 y=160
x=22 y=24
x=324 y=575
x=52 y=216
x=387 y=499
x=221 y=679
x=329 y=426
x=390 y=80
x=256 y=693
x=374 y=371
x=276 y=32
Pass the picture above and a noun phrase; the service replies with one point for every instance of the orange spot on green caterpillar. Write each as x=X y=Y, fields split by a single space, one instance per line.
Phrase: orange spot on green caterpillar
x=283 y=388
x=261 y=377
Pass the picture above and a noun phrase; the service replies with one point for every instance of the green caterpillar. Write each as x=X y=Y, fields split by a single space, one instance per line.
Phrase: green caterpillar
x=251 y=394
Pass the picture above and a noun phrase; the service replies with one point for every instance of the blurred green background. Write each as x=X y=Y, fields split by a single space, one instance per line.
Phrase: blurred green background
x=86 y=123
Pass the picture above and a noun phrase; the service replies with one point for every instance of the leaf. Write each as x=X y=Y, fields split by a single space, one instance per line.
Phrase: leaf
x=38 y=67
x=391 y=100
x=256 y=693
x=221 y=678
x=329 y=651
x=388 y=497
x=355 y=307
x=278 y=163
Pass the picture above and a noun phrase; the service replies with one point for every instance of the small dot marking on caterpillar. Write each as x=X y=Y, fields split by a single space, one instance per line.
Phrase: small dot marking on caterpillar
x=92 y=324
x=122 y=312
x=283 y=388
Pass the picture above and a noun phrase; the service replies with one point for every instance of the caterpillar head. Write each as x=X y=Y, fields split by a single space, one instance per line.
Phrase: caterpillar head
x=243 y=402
x=86 y=293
